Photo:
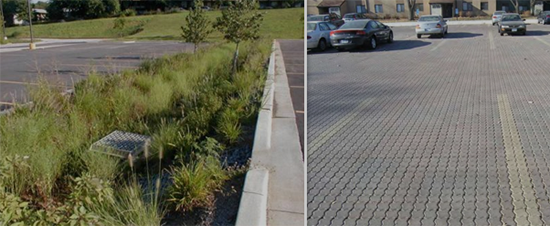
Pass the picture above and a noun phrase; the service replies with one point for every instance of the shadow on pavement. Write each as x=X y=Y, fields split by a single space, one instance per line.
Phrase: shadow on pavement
x=396 y=45
x=537 y=33
x=457 y=35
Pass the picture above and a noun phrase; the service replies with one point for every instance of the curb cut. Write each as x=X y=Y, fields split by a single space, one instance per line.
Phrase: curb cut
x=253 y=206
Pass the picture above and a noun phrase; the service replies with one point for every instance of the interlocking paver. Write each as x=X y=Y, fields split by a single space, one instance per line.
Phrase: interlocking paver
x=407 y=136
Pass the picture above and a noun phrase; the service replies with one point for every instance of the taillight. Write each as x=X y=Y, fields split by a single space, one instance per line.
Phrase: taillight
x=332 y=33
x=308 y=37
x=548 y=16
x=438 y=26
x=494 y=17
x=418 y=26
x=360 y=33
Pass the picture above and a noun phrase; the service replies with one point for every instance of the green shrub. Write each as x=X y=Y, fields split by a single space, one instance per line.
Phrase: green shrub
x=193 y=183
x=128 y=12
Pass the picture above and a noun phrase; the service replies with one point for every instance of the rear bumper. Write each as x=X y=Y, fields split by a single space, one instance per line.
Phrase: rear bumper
x=430 y=31
x=352 y=42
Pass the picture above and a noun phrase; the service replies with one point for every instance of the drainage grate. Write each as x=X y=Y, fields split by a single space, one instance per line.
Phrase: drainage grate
x=122 y=144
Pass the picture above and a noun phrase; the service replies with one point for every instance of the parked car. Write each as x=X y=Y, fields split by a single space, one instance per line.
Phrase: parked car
x=360 y=33
x=496 y=16
x=544 y=17
x=353 y=16
x=511 y=23
x=332 y=18
x=431 y=25
x=318 y=34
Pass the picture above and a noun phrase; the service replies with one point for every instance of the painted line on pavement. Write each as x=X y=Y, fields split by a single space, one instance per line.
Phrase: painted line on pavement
x=17 y=83
x=438 y=45
x=336 y=127
x=524 y=201
x=491 y=40
x=544 y=42
x=300 y=112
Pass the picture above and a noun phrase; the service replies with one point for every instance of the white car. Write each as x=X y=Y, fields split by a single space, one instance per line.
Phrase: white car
x=497 y=15
x=431 y=25
x=318 y=34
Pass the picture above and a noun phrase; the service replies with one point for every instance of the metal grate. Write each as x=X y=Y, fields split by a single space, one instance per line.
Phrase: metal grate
x=122 y=144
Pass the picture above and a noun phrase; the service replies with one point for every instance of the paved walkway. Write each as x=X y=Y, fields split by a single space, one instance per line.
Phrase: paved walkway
x=293 y=55
x=431 y=131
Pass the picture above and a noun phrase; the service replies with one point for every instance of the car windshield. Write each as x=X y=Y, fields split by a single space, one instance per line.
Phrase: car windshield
x=498 y=13
x=311 y=26
x=315 y=18
x=429 y=18
x=355 y=24
x=511 y=18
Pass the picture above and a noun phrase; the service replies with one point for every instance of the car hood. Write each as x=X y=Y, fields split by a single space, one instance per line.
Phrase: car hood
x=512 y=23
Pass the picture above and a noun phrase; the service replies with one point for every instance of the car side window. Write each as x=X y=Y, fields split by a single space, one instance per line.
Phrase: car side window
x=380 y=25
x=373 y=25
x=332 y=26
x=323 y=27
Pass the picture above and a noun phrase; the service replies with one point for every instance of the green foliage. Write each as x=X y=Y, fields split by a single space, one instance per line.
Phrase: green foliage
x=229 y=125
x=119 y=25
x=88 y=9
x=15 y=7
x=129 y=12
x=197 y=26
x=240 y=22
x=193 y=183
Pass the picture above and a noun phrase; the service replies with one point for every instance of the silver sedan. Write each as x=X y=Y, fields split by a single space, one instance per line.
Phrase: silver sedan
x=431 y=25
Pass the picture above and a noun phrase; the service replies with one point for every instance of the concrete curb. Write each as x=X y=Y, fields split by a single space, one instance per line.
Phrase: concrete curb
x=253 y=206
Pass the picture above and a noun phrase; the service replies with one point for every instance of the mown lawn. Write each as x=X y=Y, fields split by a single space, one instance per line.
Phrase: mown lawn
x=278 y=23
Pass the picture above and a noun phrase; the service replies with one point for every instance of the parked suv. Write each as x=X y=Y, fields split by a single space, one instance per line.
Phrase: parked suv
x=496 y=16
x=544 y=17
x=353 y=16
x=333 y=18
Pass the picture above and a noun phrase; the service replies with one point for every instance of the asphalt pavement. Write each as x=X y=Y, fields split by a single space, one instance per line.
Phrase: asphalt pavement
x=65 y=62
x=430 y=131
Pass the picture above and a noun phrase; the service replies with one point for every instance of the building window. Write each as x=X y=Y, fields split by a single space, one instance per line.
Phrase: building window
x=484 y=6
x=400 y=8
x=378 y=8
x=466 y=6
x=420 y=7
x=361 y=9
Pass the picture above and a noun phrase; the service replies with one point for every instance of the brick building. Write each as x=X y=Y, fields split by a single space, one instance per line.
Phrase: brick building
x=446 y=8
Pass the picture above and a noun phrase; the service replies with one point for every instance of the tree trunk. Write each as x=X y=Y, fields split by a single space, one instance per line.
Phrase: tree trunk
x=532 y=7
x=195 y=48
x=235 y=58
x=515 y=3
x=412 y=7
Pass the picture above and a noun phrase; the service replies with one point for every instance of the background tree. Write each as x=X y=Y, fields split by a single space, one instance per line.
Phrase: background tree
x=239 y=22
x=14 y=7
x=411 y=4
x=87 y=9
x=197 y=27
x=515 y=3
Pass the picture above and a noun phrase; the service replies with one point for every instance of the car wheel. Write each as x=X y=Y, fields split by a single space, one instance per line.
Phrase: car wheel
x=373 y=42
x=390 y=38
x=322 y=46
x=418 y=36
x=447 y=31
x=501 y=33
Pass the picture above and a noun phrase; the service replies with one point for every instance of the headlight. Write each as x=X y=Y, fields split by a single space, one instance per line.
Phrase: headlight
x=521 y=26
x=504 y=26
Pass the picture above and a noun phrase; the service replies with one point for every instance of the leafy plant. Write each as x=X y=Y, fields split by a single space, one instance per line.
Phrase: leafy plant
x=240 y=22
x=193 y=183
x=197 y=26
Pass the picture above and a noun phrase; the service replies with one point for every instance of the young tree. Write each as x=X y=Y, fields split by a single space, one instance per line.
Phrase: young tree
x=515 y=3
x=239 y=23
x=412 y=7
x=197 y=26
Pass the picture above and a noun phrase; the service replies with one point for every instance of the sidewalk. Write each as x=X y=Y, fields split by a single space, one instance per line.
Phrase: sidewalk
x=453 y=22
x=273 y=192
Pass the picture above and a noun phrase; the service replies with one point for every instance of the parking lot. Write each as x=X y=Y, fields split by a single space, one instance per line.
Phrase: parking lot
x=430 y=131
x=65 y=63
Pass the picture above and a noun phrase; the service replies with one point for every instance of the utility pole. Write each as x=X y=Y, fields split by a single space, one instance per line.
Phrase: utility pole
x=32 y=45
x=3 y=21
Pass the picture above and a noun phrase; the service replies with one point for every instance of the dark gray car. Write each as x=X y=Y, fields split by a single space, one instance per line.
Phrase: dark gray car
x=360 y=33
x=511 y=23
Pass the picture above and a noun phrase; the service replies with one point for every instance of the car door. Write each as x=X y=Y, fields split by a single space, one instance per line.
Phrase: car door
x=325 y=30
x=385 y=29
x=377 y=30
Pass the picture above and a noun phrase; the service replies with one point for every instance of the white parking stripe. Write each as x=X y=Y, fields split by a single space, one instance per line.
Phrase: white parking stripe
x=438 y=45
x=544 y=42
x=491 y=40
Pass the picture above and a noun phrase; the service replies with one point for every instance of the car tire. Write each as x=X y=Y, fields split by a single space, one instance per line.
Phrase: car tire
x=390 y=37
x=373 y=43
x=418 y=36
x=501 y=34
x=322 y=46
